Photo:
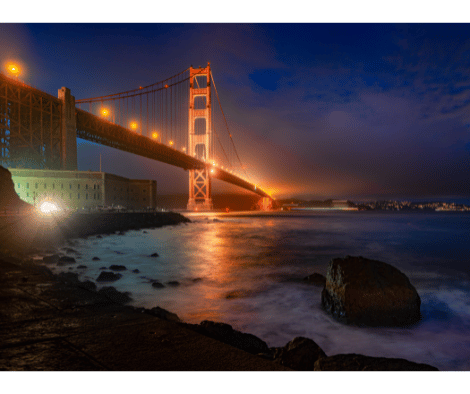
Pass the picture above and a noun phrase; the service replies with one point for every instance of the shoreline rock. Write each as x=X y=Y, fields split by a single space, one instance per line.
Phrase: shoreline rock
x=369 y=292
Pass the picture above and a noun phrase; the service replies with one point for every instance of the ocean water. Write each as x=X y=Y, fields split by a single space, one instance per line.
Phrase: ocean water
x=246 y=270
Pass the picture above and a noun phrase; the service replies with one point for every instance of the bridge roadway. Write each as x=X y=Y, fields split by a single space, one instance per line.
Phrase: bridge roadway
x=93 y=128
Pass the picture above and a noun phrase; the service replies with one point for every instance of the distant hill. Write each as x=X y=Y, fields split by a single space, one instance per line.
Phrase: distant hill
x=235 y=202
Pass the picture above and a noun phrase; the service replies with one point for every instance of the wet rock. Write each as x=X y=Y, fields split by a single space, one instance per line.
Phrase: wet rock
x=68 y=277
x=316 y=279
x=154 y=255
x=99 y=236
x=300 y=354
x=65 y=260
x=53 y=259
x=225 y=333
x=103 y=268
x=195 y=280
x=117 y=267
x=106 y=276
x=144 y=232
x=136 y=271
x=95 y=259
x=82 y=266
x=116 y=296
x=173 y=283
x=70 y=250
x=157 y=285
x=87 y=285
x=121 y=233
x=163 y=314
x=369 y=292
x=358 y=362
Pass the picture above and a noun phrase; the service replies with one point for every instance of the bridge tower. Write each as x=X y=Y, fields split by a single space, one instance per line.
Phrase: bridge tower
x=200 y=137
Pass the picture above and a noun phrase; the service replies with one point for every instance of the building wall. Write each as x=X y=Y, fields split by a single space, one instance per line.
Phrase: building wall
x=83 y=189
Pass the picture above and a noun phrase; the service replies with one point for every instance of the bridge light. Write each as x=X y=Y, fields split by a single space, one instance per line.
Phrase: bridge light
x=183 y=149
x=104 y=112
x=13 y=69
x=166 y=86
x=171 y=143
x=133 y=125
x=154 y=135
x=212 y=170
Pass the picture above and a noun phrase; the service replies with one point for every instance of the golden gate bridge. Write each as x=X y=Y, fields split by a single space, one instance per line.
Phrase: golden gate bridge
x=172 y=121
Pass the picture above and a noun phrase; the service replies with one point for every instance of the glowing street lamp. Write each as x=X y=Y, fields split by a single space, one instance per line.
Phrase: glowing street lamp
x=134 y=125
x=13 y=69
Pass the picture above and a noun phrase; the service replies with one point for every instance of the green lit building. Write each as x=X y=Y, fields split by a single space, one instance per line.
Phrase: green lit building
x=83 y=189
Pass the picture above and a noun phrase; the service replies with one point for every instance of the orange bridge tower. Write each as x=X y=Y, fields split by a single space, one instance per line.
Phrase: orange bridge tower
x=200 y=137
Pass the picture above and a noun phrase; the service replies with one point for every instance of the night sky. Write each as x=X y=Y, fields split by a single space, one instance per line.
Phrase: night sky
x=353 y=111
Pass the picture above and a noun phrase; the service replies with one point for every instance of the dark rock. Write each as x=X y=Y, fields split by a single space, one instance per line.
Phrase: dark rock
x=173 y=283
x=70 y=250
x=117 y=267
x=195 y=280
x=136 y=271
x=99 y=236
x=121 y=233
x=144 y=232
x=68 y=277
x=225 y=333
x=95 y=259
x=106 y=276
x=103 y=268
x=154 y=255
x=300 y=354
x=358 y=362
x=369 y=292
x=9 y=200
x=87 y=285
x=64 y=260
x=163 y=314
x=53 y=259
x=117 y=252
x=316 y=279
x=157 y=285
x=82 y=266
x=116 y=296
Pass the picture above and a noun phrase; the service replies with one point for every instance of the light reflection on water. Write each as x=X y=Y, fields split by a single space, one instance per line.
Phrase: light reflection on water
x=246 y=271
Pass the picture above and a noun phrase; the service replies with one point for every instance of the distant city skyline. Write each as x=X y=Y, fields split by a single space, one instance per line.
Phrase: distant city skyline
x=357 y=111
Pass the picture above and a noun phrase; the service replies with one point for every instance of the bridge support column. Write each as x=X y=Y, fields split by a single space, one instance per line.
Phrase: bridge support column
x=68 y=130
x=200 y=138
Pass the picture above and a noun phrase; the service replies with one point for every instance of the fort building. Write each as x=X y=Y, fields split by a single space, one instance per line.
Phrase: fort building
x=83 y=189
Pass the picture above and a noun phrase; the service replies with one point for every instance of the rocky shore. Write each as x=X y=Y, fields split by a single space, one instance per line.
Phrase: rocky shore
x=56 y=322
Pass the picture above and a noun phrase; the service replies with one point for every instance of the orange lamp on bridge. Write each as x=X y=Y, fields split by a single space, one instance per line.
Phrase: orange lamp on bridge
x=13 y=69
x=134 y=125
x=104 y=112
x=155 y=135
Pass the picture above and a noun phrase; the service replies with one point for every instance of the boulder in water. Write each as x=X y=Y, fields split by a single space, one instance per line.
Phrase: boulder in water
x=117 y=267
x=369 y=292
x=316 y=279
x=106 y=276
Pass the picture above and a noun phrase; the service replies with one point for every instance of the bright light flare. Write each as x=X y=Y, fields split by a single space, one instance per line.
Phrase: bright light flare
x=134 y=125
x=212 y=170
x=171 y=143
x=104 y=112
x=48 y=208
x=13 y=69
x=154 y=135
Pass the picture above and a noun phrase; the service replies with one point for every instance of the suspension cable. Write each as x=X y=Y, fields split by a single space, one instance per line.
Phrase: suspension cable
x=226 y=125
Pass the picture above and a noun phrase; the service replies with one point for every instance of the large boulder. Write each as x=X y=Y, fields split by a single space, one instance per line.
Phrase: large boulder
x=358 y=362
x=300 y=354
x=369 y=292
